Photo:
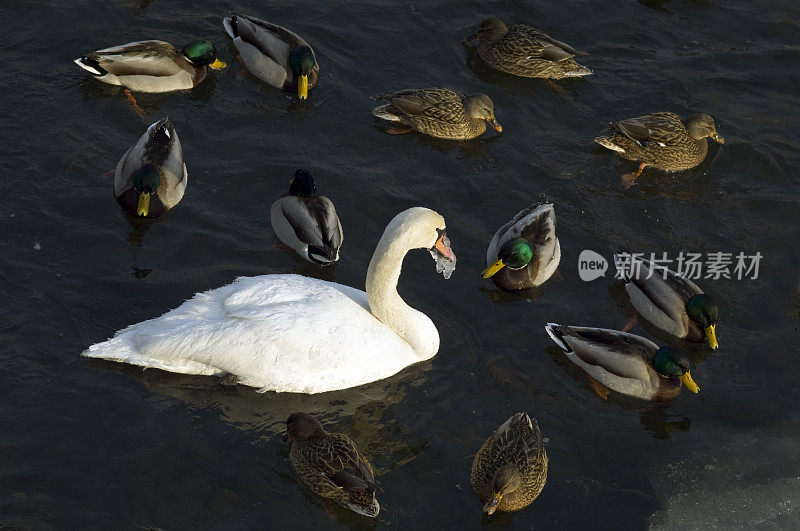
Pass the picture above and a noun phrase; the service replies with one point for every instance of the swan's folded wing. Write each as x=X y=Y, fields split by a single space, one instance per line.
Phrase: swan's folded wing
x=275 y=332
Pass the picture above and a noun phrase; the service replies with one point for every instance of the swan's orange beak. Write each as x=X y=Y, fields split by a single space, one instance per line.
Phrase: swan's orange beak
x=443 y=246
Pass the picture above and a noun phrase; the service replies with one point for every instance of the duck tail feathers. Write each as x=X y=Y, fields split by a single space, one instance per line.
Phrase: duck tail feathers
x=607 y=143
x=90 y=65
x=382 y=111
x=229 y=23
x=554 y=331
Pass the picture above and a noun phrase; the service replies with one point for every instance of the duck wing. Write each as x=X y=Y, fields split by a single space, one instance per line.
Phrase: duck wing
x=663 y=128
x=617 y=353
x=149 y=58
x=443 y=105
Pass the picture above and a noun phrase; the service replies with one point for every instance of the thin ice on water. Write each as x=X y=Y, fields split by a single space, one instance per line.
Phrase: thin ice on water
x=444 y=265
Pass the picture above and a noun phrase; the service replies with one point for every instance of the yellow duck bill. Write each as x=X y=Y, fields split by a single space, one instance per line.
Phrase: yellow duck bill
x=302 y=87
x=492 y=269
x=217 y=64
x=686 y=378
x=144 y=204
x=711 y=334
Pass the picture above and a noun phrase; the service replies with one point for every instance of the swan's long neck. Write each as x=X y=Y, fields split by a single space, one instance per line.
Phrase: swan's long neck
x=386 y=304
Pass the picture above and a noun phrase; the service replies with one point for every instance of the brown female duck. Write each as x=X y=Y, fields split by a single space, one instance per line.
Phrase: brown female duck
x=661 y=140
x=526 y=51
x=510 y=469
x=438 y=112
x=331 y=465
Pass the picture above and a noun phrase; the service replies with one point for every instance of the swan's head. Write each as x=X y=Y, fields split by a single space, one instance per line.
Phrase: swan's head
x=422 y=228
x=300 y=426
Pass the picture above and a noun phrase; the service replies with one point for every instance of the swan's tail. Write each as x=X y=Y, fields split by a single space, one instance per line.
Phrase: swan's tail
x=120 y=348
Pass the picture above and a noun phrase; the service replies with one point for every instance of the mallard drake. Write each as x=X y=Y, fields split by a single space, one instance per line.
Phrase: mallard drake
x=151 y=176
x=661 y=140
x=526 y=51
x=671 y=302
x=524 y=252
x=275 y=55
x=331 y=465
x=438 y=112
x=510 y=469
x=626 y=363
x=152 y=66
x=307 y=222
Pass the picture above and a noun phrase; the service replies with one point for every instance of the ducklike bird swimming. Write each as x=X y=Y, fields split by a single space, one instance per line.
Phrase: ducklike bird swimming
x=151 y=176
x=438 y=112
x=661 y=140
x=275 y=55
x=290 y=333
x=525 y=51
x=510 y=469
x=627 y=363
x=307 y=222
x=332 y=465
x=152 y=66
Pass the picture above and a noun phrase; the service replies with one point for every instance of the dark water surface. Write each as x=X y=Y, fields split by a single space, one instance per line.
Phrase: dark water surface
x=102 y=445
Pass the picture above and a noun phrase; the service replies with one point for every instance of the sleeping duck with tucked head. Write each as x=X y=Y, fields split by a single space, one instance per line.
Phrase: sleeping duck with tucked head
x=307 y=222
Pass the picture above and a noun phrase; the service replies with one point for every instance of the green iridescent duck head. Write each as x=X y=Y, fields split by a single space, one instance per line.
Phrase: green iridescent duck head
x=302 y=62
x=703 y=311
x=669 y=363
x=516 y=253
x=202 y=52
x=145 y=182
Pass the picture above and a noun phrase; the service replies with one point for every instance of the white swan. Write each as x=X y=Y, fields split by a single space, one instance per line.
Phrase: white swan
x=296 y=334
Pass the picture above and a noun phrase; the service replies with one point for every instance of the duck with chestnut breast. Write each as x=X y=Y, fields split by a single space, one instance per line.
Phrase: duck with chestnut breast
x=524 y=252
x=438 y=112
x=152 y=66
x=289 y=333
x=331 y=465
x=671 y=302
x=151 y=176
x=661 y=140
x=627 y=363
x=307 y=222
x=525 y=51
x=510 y=469
x=275 y=55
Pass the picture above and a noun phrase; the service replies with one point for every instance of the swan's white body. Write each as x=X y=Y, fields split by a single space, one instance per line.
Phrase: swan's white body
x=291 y=333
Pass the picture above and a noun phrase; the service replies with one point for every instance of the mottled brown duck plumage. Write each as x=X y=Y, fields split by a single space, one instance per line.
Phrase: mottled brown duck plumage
x=661 y=140
x=439 y=112
x=332 y=465
x=525 y=51
x=510 y=469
